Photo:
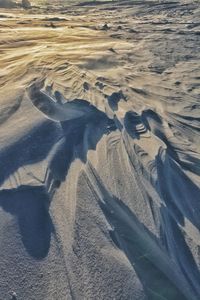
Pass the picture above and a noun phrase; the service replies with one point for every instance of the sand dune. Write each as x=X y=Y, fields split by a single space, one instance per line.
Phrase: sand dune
x=100 y=151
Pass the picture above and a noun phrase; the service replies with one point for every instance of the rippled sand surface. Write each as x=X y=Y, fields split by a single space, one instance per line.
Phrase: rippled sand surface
x=100 y=151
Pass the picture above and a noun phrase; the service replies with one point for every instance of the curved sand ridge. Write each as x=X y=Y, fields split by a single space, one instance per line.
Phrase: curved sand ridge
x=99 y=159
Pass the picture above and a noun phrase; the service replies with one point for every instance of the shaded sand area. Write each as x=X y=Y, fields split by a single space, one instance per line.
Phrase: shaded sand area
x=100 y=151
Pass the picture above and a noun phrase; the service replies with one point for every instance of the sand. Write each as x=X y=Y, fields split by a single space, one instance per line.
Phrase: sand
x=100 y=151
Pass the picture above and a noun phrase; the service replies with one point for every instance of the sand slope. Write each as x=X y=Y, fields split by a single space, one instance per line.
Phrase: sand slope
x=100 y=151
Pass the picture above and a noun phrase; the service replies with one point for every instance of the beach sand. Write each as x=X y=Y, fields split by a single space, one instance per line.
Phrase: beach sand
x=100 y=151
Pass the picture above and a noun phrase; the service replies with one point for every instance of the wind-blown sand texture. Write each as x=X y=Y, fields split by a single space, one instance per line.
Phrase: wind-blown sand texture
x=100 y=151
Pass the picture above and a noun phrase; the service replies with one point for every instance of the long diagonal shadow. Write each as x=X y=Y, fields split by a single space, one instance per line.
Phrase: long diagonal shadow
x=148 y=260
x=161 y=278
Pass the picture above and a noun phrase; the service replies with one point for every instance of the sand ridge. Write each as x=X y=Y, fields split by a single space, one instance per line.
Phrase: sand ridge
x=100 y=151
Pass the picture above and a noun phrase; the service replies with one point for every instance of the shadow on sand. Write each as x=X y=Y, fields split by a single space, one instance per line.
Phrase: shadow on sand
x=29 y=205
x=164 y=264
x=60 y=143
x=147 y=256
